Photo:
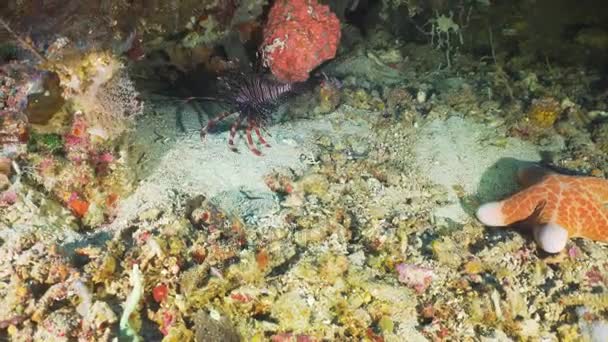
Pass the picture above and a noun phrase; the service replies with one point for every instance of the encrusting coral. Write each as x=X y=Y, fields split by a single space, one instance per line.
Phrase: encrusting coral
x=544 y=112
x=558 y=206
x=98 y=84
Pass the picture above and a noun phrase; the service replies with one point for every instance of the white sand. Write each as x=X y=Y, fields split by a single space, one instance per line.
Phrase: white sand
x=459 y=152
x=182 y=166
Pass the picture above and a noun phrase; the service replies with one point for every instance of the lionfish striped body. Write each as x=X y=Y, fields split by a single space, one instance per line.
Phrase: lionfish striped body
x=253 y=97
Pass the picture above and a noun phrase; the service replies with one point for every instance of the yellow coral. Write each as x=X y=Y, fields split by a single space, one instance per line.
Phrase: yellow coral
x=315 y=184
x=333 y=267
x=361 y=99
x=106 y=269
x=544 y=112
x=97 y=84
x=568 y=333
x=595 y=301
x=179 y=333
x=329 y=98
x=292 y=311
x=473 y=267
x=79 y=72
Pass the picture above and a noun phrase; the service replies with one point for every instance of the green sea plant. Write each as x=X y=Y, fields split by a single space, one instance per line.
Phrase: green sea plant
x=45 y=143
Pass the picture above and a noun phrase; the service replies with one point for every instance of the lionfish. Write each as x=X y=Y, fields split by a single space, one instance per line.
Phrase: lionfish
x=253 y=98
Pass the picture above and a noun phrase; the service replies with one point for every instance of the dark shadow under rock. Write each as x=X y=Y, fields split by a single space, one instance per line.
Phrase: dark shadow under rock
x=209 y=329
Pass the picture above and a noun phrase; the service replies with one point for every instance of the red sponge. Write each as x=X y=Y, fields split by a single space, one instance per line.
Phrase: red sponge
x=299 y=35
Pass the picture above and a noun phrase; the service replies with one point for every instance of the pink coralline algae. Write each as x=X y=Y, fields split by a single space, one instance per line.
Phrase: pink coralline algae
x=417 y=277
x=7 y=198
x=78 y=140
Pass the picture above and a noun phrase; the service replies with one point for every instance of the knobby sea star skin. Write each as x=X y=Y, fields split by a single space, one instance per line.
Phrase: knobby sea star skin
x=559 y=207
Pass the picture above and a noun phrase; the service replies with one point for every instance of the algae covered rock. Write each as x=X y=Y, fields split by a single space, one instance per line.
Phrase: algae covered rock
x=544 y=112
x=600 y=136
x=209 y=329
x=292 y=311
x=45 y=100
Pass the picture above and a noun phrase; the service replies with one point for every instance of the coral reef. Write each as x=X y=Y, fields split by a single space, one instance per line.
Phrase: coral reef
x=14 y=132
x=358 y=225
x=14 y=89
x=72 y=109
x=81 y=170
x=98 y=85
x=298 y=36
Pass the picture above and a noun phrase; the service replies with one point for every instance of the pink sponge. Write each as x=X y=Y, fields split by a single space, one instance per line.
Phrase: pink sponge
x=298 y=36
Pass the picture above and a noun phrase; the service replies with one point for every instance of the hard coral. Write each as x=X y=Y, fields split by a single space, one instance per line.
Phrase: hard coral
x=5 y=172
x=16 y=81
x=98 y=84
x=329 y=97
x=600 y=136
x=85 y=175
x=298 y=37
x=13 y=131
x=544 y=112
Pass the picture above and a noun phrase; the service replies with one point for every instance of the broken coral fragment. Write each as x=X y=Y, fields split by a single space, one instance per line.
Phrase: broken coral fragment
x=126 y=329
x=417 y=277
x=5 y=166
x=292 y=311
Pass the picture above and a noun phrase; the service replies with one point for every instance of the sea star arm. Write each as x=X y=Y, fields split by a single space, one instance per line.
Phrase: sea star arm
x=591 y=220
x=516 y=208
x=551 y=237
x=557 y=206
x=599 y=188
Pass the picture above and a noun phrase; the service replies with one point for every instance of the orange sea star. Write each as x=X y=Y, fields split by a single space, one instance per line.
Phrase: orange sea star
x=558 y=206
